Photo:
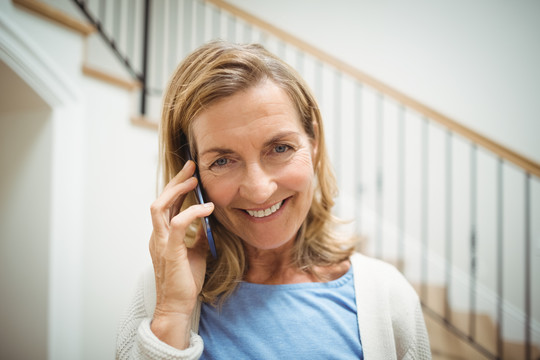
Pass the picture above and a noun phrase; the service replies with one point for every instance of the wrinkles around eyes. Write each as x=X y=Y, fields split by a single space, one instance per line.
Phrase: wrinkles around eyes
x=271 y=158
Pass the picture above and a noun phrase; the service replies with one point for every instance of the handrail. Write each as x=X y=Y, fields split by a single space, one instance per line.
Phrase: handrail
x=523 y=162
x=112 y=42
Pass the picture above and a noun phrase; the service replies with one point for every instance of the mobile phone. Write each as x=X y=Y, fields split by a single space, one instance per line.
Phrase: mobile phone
x=200 y=199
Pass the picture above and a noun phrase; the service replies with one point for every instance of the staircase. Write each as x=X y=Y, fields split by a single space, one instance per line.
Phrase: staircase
x=448 y=331
x=376 y=188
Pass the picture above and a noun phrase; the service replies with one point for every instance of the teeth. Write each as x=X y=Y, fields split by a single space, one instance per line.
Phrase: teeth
x=266 y=212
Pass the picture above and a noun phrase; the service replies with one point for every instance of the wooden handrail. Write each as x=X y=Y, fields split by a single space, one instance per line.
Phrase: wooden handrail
x=55 y=15
x=523 y=162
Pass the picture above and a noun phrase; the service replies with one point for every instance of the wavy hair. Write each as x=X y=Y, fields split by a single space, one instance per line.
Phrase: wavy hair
x=213 y=72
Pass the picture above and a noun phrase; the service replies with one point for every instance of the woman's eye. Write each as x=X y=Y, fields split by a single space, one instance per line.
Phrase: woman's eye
x=220 y=162
x=281 y=148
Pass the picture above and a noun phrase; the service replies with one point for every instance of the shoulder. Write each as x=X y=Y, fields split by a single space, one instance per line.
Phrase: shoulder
x=382 y=279
x=367 y=269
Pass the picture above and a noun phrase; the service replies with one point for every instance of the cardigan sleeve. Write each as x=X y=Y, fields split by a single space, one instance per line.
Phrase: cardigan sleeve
x=419 y=348
x=135 y=339
x=409 y=328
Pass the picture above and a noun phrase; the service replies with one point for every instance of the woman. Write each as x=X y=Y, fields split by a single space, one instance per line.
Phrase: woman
x=283 y=285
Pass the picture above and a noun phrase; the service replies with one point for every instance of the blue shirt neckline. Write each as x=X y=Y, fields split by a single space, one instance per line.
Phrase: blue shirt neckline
x=344 y=279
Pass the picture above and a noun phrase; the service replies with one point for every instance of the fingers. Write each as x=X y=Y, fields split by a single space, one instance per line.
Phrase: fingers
x=170 y=228
x=187 y=171
x=174 y=192
x=171 y=191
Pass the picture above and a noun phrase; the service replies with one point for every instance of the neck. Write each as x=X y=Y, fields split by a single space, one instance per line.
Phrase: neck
x=273 y=266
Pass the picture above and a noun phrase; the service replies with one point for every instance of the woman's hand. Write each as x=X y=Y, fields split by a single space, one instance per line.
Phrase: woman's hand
x=179 y=270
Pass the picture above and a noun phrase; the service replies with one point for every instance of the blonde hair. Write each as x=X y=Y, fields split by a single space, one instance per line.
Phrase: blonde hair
x=215 y=71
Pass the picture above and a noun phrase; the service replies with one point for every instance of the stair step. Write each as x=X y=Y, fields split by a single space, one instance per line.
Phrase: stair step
x=447 y=345
x=99 y=62
x=145 y=122
x=102 y=63
x=127 y=84
x=55 y=15
x=517 y=351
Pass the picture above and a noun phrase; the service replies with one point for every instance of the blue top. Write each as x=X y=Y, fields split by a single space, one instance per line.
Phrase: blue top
x=293 y=321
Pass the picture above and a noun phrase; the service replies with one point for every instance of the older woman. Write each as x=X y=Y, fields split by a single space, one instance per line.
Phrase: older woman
x=283 y=284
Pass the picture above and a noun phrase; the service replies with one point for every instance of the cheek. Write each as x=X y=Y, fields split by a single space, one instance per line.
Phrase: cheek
x=220 y=191
x=297 y=180
x=299 y=173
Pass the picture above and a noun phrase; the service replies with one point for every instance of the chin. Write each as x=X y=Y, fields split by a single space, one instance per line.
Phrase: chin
x=268 y=242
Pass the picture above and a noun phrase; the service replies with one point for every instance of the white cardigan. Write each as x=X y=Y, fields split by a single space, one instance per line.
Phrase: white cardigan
x=390 y=318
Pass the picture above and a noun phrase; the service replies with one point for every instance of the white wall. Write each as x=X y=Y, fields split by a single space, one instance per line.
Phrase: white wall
x=476 y=62
x=25 y=201
x=93 y=196
x=47 y=178
x=120 y=161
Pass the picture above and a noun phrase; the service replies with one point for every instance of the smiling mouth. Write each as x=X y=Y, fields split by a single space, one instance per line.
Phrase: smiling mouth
x=265 y=212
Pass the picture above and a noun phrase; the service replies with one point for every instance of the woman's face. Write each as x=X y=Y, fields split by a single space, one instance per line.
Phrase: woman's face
x=256 y=165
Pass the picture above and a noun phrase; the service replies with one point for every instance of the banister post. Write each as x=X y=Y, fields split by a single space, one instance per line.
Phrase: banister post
x=144 y=79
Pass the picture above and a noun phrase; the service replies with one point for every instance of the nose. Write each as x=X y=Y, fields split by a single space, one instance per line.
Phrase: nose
x=257 y=185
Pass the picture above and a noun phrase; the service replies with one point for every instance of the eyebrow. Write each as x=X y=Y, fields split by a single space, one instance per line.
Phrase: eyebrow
x=276 y=138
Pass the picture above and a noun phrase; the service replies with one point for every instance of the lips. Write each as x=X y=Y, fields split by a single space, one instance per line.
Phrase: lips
x=265 y=212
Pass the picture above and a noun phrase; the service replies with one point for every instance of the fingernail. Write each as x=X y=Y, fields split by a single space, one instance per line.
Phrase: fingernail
x=208 y=204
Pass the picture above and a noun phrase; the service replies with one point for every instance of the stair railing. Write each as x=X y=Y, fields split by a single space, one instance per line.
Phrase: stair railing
x=120 y=27
x=375 y=133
